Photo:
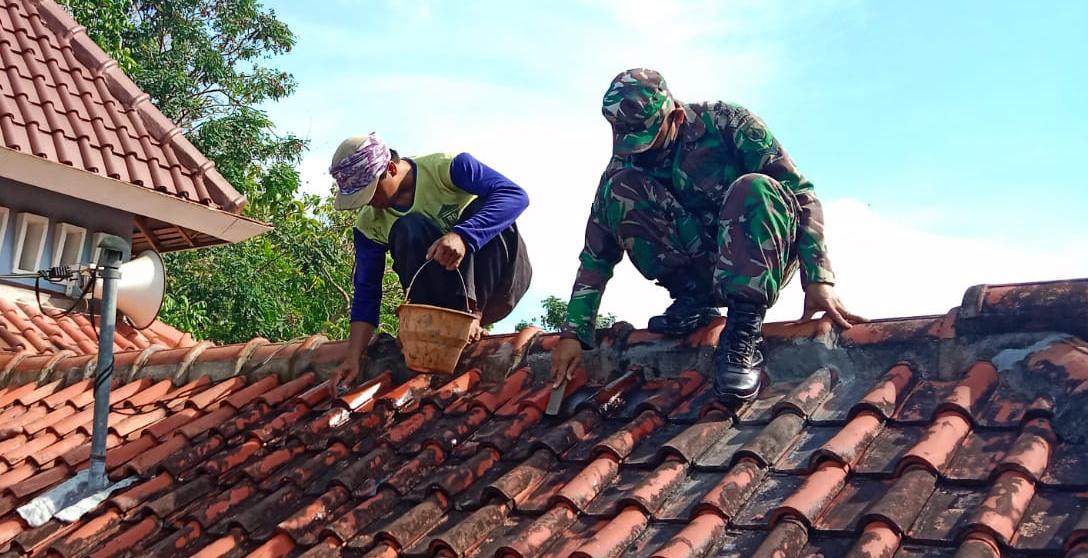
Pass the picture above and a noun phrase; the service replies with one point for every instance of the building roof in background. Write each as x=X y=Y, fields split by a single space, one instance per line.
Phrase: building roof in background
x=62 y=99
x=917 y=437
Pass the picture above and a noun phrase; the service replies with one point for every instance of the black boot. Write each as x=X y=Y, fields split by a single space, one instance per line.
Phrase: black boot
x=738 y=359
x=691 y=309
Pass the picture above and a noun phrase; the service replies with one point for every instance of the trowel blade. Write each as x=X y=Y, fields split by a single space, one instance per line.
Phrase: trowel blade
x=555 y=400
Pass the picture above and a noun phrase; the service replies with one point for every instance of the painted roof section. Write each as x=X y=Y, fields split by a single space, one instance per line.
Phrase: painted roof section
x=917 y=437
x=63 y=99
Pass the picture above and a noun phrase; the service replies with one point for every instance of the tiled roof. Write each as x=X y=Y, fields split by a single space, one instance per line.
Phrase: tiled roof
x=917 y=437
x=26 y=329
x=63 y=99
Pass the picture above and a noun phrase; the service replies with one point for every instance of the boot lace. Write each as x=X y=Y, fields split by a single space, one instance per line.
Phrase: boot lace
x=742 y=348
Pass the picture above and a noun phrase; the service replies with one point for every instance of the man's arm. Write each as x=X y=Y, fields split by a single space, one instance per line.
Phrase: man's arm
x=365 y=306
x=503 y=200
x=598 y=260
x=369 y=269
x=762 y=153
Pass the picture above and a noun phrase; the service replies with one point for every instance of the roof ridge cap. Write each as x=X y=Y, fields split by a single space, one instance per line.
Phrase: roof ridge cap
x=1055 y=305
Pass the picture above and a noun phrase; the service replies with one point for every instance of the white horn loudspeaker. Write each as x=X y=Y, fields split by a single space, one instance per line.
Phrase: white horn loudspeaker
x=141 y=288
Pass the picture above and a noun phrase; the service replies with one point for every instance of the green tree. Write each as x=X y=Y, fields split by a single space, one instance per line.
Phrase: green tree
x=555 y=313
x=204 y=64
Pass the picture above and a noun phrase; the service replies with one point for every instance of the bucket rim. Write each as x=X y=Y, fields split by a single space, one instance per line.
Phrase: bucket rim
x=431 y=307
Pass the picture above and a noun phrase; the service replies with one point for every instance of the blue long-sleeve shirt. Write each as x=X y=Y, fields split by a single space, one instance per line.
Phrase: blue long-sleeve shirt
x=503 y=202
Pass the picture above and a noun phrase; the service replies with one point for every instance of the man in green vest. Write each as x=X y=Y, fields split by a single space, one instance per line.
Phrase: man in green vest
x=448 y=221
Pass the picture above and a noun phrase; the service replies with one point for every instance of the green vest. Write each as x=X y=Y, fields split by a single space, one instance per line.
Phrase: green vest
x=436 y=197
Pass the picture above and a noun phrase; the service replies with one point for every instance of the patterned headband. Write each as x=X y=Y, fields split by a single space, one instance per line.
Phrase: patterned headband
x=363 y=166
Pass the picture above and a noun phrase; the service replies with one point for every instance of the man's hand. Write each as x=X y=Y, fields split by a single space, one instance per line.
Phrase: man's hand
x=344 y=374
x=477 y=332
x=359 y=336
x=448 y=251
x=566 y=358
x=821 y=296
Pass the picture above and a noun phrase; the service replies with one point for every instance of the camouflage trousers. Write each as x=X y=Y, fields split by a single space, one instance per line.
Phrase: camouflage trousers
x=749 y=251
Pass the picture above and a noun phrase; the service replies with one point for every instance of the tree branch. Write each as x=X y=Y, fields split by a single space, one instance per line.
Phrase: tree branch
x=335 y=284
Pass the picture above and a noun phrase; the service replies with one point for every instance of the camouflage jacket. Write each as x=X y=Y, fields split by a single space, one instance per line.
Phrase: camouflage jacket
x=717 y=143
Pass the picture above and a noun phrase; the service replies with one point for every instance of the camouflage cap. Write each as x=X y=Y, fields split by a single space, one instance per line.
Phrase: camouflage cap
x=636 y=104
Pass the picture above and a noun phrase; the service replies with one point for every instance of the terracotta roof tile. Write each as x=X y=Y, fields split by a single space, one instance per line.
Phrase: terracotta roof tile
x=892 y=446
x=25 y=328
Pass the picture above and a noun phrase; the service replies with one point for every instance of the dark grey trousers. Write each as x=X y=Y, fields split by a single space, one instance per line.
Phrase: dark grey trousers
x=496 y=276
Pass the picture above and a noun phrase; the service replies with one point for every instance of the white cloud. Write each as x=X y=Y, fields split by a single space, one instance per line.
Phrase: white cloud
x=888 y=266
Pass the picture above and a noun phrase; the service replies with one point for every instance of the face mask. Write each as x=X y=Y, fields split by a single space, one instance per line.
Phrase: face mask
x=670 y=138
x=662 y=152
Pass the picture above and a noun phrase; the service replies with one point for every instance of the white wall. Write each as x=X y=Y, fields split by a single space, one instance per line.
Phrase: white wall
x=58 y=208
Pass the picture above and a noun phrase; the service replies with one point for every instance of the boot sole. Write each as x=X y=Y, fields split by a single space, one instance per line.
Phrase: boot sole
x=728 y=397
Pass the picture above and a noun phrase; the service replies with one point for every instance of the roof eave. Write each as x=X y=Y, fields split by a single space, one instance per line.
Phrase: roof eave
x=77 y=183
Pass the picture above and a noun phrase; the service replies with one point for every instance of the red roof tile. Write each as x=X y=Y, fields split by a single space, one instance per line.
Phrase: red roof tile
x=63 y=99
x=25 y=331
x=904 y=438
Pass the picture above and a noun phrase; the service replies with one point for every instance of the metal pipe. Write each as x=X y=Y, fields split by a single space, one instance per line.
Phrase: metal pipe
x=109 y=273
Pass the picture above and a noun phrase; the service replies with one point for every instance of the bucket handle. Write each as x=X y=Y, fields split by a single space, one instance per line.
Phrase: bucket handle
x=408 y=291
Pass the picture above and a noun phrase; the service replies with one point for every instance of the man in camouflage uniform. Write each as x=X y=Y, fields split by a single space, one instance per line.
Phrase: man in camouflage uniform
x=706 y=202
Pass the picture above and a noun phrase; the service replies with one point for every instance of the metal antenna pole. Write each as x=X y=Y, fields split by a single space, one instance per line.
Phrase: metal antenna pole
x=69 y=500
x=109 y=272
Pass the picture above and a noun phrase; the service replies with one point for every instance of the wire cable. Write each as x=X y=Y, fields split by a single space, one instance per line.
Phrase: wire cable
x=66 y=312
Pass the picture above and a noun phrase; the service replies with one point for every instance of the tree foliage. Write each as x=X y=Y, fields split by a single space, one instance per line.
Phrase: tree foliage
x=204 y=64
x=555 y=313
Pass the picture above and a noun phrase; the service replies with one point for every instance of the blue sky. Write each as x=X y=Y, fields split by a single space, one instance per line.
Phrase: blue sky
x=947 y=140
